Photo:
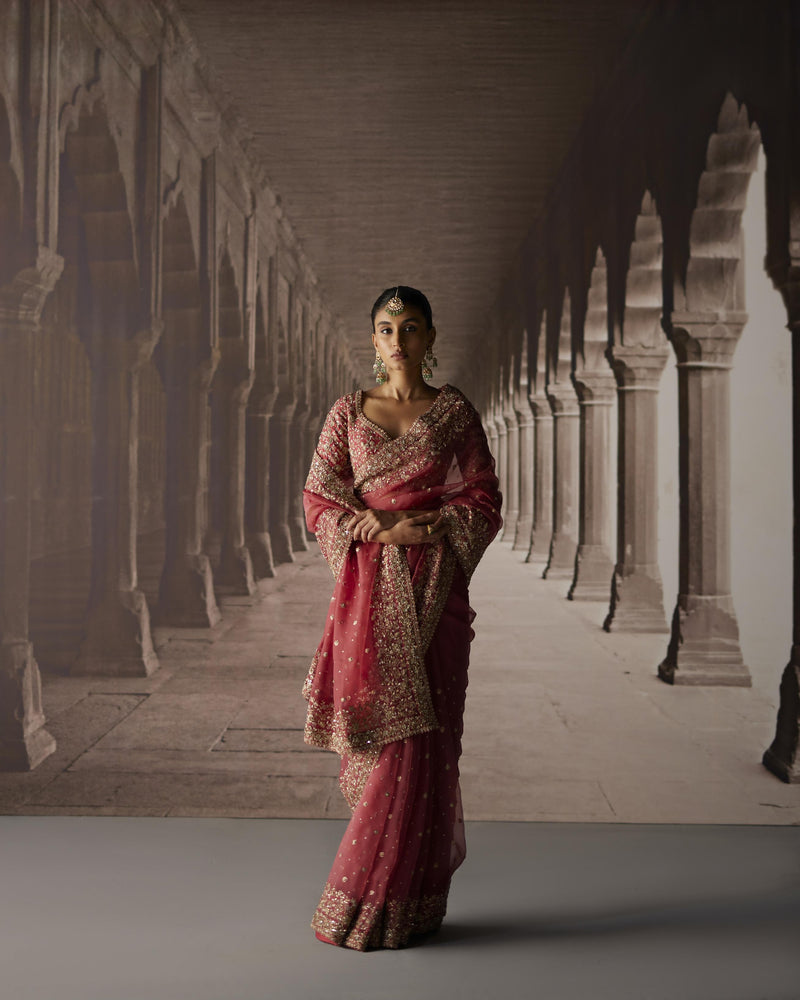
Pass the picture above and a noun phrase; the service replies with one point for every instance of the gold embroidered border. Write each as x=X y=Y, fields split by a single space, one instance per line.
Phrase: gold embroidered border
x=361 y=925
x=469 y=534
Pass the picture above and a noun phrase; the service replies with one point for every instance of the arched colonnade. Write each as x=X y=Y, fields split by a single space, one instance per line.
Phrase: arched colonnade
x=162 y=347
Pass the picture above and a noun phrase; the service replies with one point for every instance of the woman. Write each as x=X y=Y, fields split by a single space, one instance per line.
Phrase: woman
x=403 y=499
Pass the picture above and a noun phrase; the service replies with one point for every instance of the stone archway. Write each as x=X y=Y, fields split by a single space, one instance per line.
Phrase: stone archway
x=638 y=354
x=187 y=365
x=230 y=389
x=119 y=343
x=259 y=411
x=704 y=326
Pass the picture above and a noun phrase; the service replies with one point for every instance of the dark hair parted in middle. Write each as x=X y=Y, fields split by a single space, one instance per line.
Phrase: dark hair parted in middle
x=410 y=296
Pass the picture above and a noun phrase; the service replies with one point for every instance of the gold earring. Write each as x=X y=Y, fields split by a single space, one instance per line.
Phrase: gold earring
x=379 y=369
x=429 y=364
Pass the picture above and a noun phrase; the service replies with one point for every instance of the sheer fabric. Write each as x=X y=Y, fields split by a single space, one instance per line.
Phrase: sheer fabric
x=386 y=686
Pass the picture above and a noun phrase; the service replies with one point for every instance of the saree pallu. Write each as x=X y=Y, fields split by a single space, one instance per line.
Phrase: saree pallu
x=387 y=683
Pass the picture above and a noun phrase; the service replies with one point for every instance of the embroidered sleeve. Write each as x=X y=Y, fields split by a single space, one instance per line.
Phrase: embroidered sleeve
x=328 y=497
x=473 y=513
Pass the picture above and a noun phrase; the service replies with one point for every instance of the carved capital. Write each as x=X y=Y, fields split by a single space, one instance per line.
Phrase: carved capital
x=705 y=341
x=22 y=300
x=595 y=386
x=638 y=367
x=563 y=400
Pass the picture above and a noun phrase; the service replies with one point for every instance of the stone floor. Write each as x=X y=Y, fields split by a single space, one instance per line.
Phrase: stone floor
x=564 y=722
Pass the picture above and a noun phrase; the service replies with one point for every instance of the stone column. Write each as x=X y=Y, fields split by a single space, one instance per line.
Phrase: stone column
x=543 y=476
x=566 y=472
x=118 y=640
x=491 y=435
x=298 y=471
x=524 y=529
x=24 y=740
x=186 y=591
x=502 y=453
x=312 y=431
x=782 y=755
x=637 y=599
x=511 y=511
x=280 y=426
x=232 y=388
x=259 y=542
x=704 y=645
x=593 y=565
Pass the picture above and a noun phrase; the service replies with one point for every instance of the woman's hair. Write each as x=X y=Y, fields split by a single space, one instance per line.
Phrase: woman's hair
x=410 y=297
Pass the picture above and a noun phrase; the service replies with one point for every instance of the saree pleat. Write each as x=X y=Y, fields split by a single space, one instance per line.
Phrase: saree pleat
x=391 y=876
x=387 y=684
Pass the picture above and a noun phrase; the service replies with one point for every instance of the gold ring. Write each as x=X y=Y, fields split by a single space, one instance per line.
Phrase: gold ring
x=430 y=529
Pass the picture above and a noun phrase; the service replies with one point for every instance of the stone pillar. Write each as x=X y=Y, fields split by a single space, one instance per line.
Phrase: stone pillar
x=502 y=453
x=229 y=398
x=704 y=645
x=511 y=505
x=24 y=740
x=524 y=529
x=312 y=431
x=259 y=542
x=593 y=565
x=637 y=599
x=118 y=640
x=298 y=472
x=566 y=472
x=491 y=435
x=186 y=591
x=280 y=427
x=542 y=477
x=782 y=755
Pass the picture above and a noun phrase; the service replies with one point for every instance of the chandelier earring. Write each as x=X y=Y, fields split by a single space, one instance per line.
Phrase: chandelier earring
x=430 y=362
x=379 y=368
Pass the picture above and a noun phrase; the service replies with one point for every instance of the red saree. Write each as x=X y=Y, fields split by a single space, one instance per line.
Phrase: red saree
x=387 y=684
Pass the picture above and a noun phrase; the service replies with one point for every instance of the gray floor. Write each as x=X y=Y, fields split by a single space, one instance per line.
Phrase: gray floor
x=217 y=909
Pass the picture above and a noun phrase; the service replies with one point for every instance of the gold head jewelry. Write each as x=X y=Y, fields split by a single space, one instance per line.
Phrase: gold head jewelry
x=395 y=305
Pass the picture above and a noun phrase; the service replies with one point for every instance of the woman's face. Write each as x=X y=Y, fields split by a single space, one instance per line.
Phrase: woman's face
x=402 y=340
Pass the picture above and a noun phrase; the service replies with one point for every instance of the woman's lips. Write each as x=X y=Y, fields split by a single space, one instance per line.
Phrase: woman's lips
x=399 y=357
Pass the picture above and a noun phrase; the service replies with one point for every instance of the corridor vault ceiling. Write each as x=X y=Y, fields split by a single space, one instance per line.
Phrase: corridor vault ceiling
x=412 y=141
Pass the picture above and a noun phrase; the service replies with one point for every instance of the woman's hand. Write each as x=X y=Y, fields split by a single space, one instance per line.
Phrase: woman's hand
x=421 y=528
x=365 y=525
x=401 y=527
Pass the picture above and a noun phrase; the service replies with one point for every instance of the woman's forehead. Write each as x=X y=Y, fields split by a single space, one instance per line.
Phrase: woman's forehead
x=410 y=312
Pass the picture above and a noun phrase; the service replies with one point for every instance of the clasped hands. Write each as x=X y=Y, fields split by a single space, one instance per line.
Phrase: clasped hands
x=401 y=527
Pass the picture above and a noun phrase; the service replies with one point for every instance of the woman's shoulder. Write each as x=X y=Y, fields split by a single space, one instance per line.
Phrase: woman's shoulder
x=453 y=397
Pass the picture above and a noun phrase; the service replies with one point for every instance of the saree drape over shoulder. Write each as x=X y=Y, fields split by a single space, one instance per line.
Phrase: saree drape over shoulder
x=387 y=683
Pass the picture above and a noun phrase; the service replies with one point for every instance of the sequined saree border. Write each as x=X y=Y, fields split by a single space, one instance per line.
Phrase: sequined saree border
x=361 y=925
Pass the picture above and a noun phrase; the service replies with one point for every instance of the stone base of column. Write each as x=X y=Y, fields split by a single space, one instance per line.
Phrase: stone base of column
x=186 y=594
x=297 y=530
x=637 y=602
x=235 y=573
x=561 y=560
x=704 y=647
x=593 y=571
x=24 y=742
x=281 y=544
x=118 y=641
x=540 y=545
x=260 y=546
x=782 y=757
x=510 y=519
x=523 y=534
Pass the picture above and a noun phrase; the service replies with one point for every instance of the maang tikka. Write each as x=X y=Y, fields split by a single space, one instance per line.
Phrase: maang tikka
x=395 y=305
